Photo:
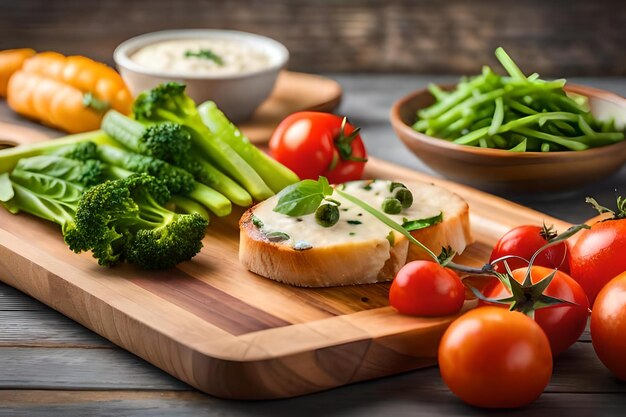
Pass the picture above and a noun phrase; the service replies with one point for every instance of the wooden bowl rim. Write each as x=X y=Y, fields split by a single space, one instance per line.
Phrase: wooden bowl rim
x=409 y=133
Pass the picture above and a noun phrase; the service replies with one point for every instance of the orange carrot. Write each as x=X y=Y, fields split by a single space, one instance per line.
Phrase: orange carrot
x=11 y=61
x=70 y=93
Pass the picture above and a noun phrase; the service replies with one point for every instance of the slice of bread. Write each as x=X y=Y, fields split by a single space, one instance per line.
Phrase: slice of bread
x=359 y=249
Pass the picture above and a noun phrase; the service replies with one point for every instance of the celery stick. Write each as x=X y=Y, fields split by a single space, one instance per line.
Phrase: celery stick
x=223 y=155
x=214 y=178
x=215 y=201
x=273 y=173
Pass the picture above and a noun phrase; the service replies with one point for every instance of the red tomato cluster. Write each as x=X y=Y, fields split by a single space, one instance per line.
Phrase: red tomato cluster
x=490 y=356
x=489 y=350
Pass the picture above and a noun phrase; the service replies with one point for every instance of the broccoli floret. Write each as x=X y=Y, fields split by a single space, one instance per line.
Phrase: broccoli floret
x=166 y=141
x=167 y=97
x=179 y=239
x=125 y=220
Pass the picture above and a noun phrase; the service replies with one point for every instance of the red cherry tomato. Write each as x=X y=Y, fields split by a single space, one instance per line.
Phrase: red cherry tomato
x=608 y=326
x=495 y=358
x=313 y=144
x=524 y=241
x=563 y=324
x=425 y=288
x=598 y=255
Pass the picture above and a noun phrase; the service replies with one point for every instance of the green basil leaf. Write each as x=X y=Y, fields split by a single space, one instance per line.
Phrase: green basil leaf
x=411 y=225
x=325 y=186
x=303 y=197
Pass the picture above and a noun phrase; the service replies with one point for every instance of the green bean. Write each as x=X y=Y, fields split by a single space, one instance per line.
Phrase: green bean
x=436 y=92
x=450 y=100
x=520 y=147
x=509 y=65
x=473 y=137
x=498 y=117
x=574 y=144
x=499 y=141
x=516 y=105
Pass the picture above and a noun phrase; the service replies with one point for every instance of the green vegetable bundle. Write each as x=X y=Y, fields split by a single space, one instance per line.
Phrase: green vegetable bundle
x=514 y=112
x=117 y=220
x=140 y=190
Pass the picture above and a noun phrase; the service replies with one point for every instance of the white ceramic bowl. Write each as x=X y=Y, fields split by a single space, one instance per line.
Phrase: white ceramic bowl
x=237 y=95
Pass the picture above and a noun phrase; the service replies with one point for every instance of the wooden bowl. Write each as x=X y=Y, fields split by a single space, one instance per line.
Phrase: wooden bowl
x=501 y=170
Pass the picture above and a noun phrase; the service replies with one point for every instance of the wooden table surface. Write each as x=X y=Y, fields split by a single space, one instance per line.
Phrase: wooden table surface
x=51 y=366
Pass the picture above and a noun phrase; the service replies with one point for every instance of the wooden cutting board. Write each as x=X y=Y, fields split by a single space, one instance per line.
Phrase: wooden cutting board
x=231 y=333
x=294 y=91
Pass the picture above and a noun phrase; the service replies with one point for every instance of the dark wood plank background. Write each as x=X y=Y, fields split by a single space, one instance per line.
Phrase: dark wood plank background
x=554 y=37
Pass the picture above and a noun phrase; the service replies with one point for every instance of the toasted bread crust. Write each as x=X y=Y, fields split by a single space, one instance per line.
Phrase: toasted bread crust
x=454 y=232
x=364 y=262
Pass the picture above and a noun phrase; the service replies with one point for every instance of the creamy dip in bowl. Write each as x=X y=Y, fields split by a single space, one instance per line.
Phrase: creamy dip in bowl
x=235 y=69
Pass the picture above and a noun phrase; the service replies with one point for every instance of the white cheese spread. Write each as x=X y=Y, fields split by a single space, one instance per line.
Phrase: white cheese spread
x=355 y=224
x=202 y=57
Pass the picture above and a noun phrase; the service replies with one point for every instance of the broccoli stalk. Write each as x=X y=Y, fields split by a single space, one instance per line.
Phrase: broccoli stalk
x=177 y=203
x=171 y=143
x=185 y=205
x=125 y=220
x=169 y=103
x=276 y=175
